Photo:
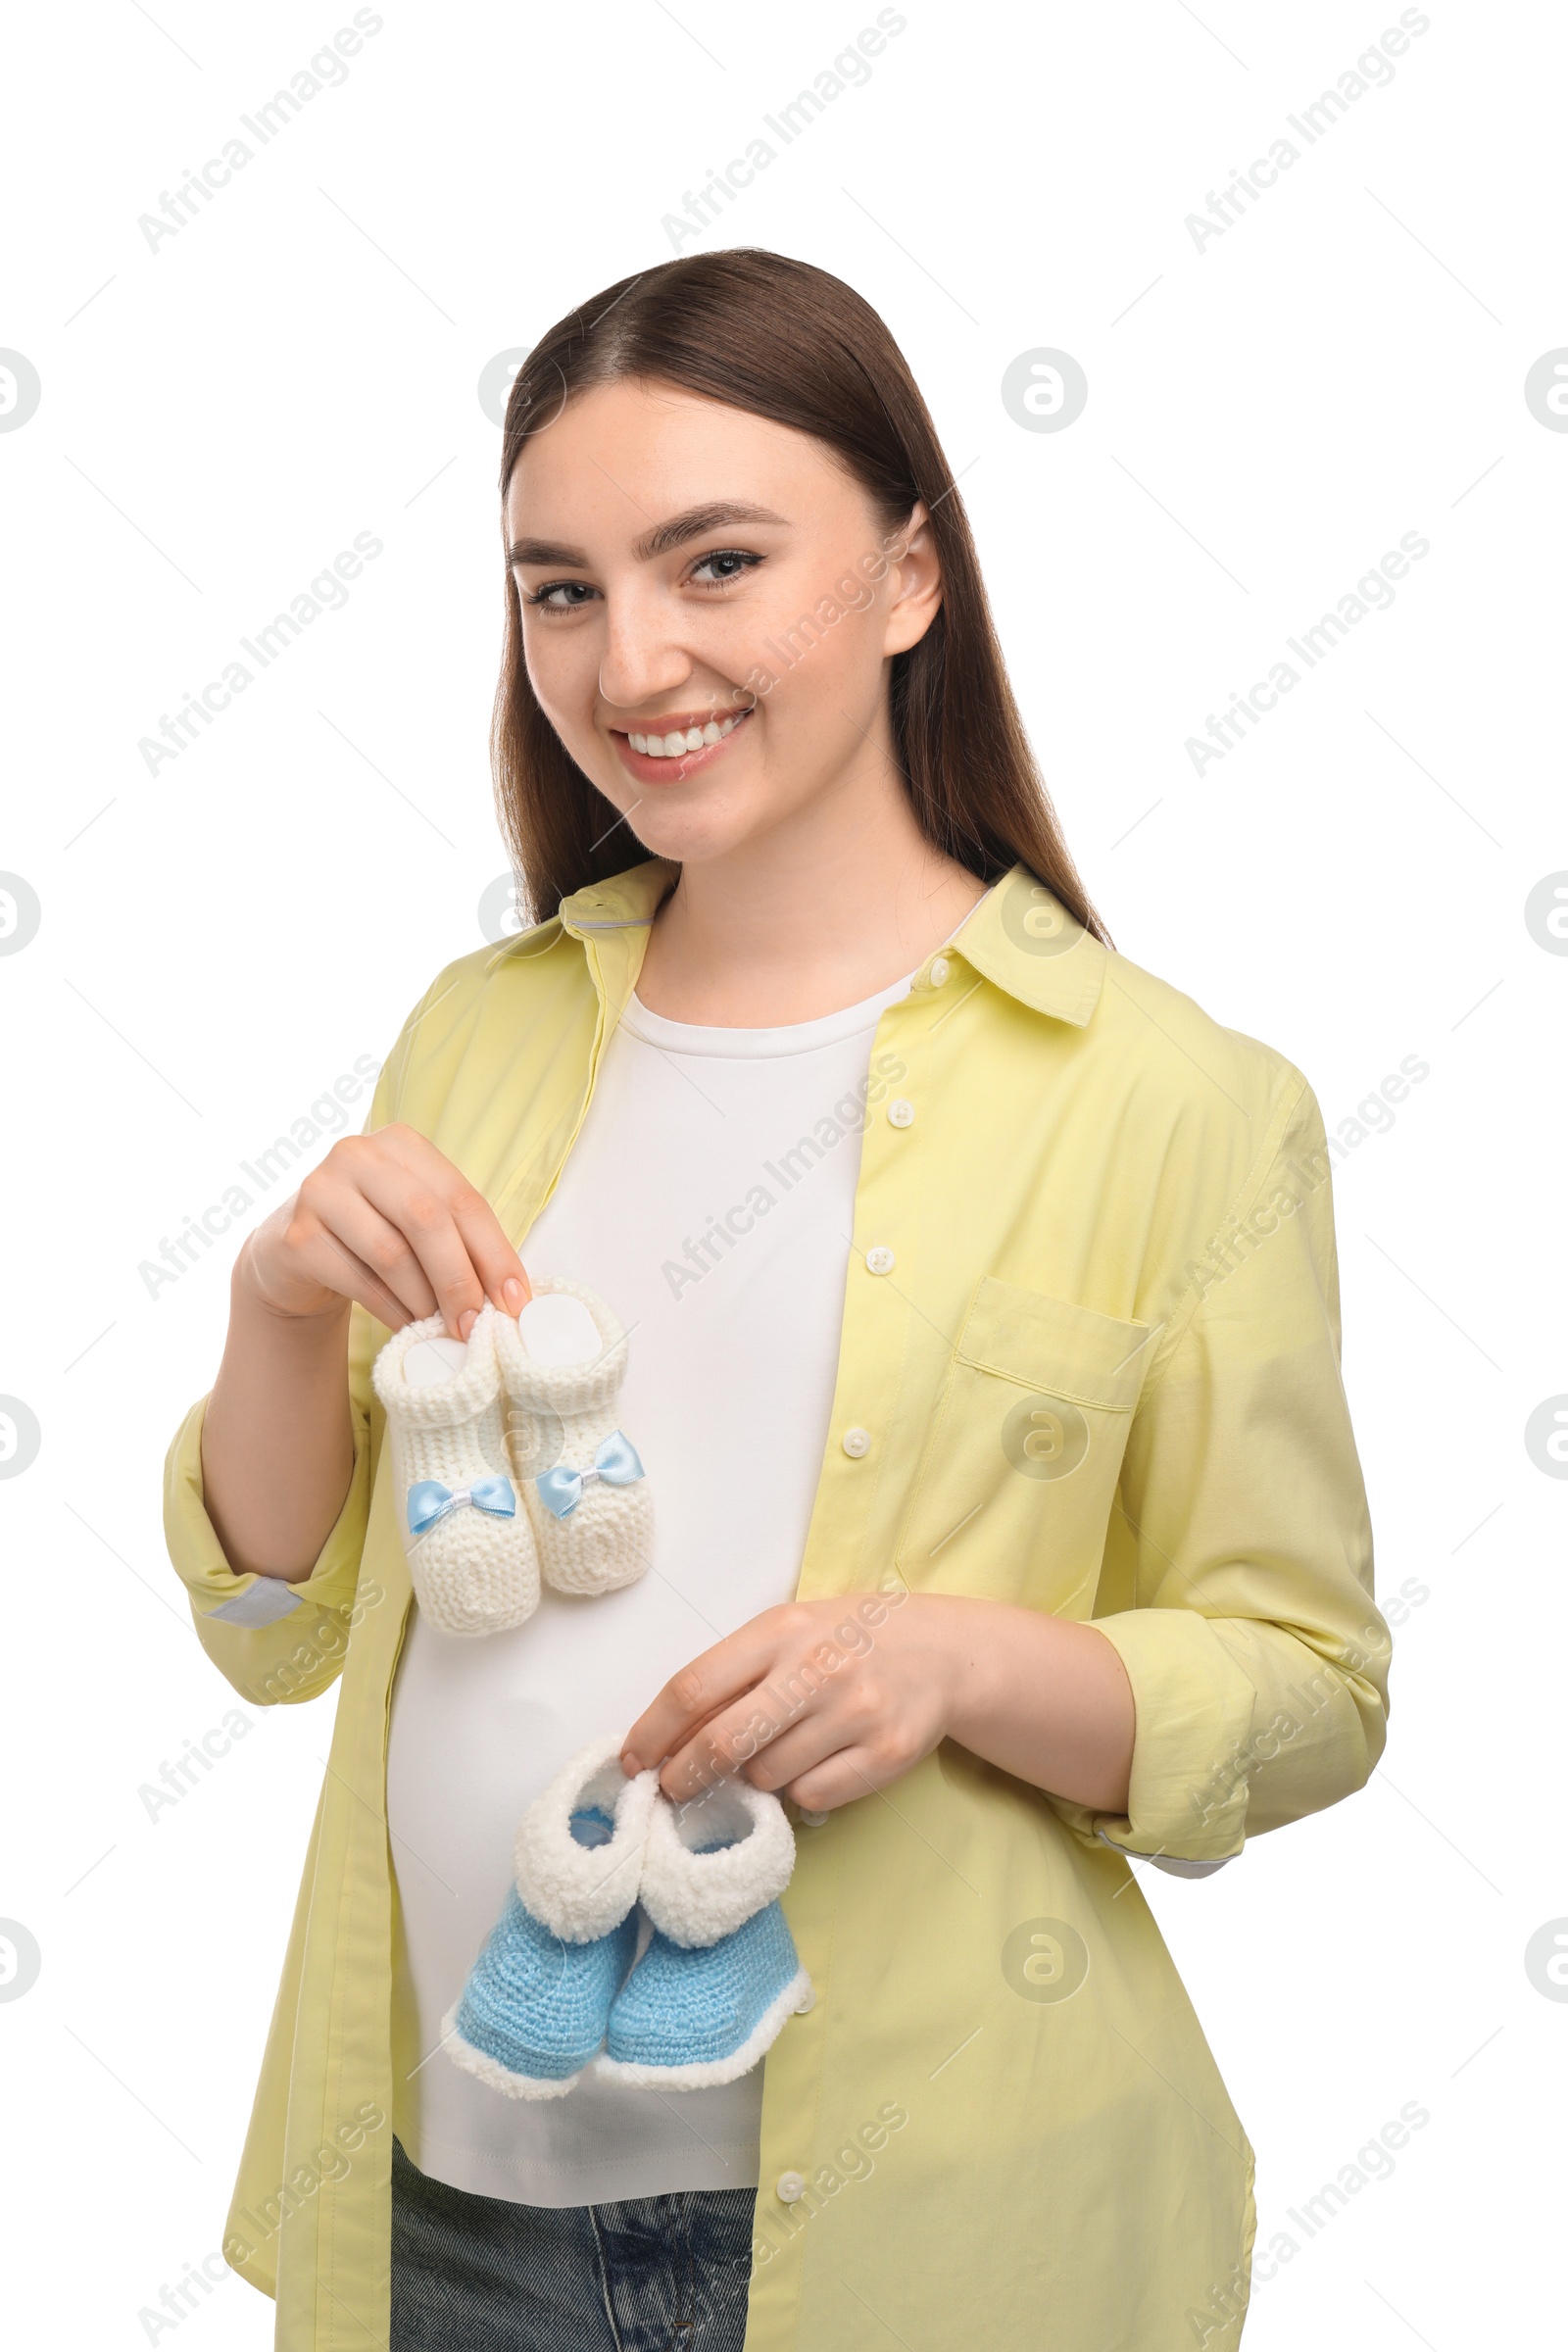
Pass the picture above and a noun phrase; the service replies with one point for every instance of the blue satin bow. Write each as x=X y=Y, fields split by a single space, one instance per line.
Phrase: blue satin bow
x=615 y=1461
x=430 y=1500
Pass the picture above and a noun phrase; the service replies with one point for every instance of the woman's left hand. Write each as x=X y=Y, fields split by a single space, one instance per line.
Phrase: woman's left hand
x=826 y=1701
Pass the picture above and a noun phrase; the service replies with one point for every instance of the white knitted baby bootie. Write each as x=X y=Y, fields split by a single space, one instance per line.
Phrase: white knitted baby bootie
x=563 y=1361
x=470 y=1548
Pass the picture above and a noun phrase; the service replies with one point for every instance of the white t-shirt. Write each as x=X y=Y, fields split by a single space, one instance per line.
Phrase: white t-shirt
x=734 y=1330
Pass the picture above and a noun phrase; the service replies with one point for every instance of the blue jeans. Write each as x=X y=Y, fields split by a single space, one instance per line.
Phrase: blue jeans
x=647 y=2274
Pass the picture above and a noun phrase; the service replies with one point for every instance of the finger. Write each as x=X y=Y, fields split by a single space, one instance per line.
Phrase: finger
x=700 y=1690
x=838 y=1780
x=346 y=1239
x=799 y=1748
x=496 y=1262
x=359 y=1282
x=494 y=1259
x=427 y=1226
x=731 y=1739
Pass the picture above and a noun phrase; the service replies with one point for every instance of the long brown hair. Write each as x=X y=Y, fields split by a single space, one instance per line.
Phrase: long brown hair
x=792 y=343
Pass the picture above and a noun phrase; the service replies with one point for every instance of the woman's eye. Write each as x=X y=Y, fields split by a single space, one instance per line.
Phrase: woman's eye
x=561 y=595
x=724 y=564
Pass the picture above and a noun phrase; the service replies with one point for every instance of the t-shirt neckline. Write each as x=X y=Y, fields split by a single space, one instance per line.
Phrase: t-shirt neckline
x=796 y=1037
x=758 y=1045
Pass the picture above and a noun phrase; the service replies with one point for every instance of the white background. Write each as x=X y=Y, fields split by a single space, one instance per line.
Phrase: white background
x=220 y=940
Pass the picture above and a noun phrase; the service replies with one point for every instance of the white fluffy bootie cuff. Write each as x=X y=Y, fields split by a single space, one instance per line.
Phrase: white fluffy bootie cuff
x=579 y=1853
x=714 y=1863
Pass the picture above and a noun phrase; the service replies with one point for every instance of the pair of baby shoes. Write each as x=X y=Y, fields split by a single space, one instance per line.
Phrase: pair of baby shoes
x=526 y=1402
x=559 y=1986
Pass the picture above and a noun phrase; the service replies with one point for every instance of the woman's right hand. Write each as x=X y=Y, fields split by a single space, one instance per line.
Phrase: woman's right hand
x=386 y=1220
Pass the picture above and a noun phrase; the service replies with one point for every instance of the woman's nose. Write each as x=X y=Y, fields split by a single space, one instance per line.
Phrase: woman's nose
x=642 y=659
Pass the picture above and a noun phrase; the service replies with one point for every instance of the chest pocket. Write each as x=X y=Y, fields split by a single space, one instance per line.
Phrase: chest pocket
x=1019 y=1470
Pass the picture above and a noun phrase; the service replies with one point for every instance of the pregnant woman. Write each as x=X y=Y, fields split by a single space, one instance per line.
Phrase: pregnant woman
x=982 y=1358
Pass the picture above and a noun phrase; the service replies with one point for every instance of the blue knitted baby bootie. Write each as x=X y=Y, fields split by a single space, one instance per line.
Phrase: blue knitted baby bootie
x=715 y=1987
x=535 y=2006
x=688 y=2018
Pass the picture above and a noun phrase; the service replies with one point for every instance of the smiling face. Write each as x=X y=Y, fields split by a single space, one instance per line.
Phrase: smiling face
x=711 y=605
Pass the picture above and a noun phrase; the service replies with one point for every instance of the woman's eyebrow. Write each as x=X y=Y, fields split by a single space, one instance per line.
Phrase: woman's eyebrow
x=692 y=524
x=695 y=522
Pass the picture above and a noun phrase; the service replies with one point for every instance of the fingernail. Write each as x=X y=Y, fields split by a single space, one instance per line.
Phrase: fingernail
x=630 y=1765
x=466 y=1321
x=511 y=1292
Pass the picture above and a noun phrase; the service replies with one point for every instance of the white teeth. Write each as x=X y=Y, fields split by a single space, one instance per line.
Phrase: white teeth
x=678 y=743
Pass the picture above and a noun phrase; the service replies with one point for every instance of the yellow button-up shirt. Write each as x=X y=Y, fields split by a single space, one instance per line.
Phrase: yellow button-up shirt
x=1101 y=1376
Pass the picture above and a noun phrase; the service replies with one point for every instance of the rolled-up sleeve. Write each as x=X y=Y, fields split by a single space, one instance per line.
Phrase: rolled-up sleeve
x=276 y=1642
x=1257 y=1658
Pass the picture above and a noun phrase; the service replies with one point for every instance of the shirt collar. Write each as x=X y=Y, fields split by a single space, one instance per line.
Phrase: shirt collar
x=1020 y=937
x=626 y=901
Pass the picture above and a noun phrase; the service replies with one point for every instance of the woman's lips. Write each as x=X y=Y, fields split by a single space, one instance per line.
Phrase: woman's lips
x=647 y=769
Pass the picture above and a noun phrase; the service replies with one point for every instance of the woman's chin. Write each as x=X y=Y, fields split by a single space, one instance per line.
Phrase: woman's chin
x=689 y=836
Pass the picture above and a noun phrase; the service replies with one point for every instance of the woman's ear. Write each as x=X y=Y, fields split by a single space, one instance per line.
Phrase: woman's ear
x=914 y=580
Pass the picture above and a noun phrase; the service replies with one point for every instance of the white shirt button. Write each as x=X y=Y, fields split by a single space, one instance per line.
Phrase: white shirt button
x=939 y=971
x=857 y=1443
x=814 y=1821
x=901 y=1112
x=790 y=2188
x=808 y=1999
x=880 y=1260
